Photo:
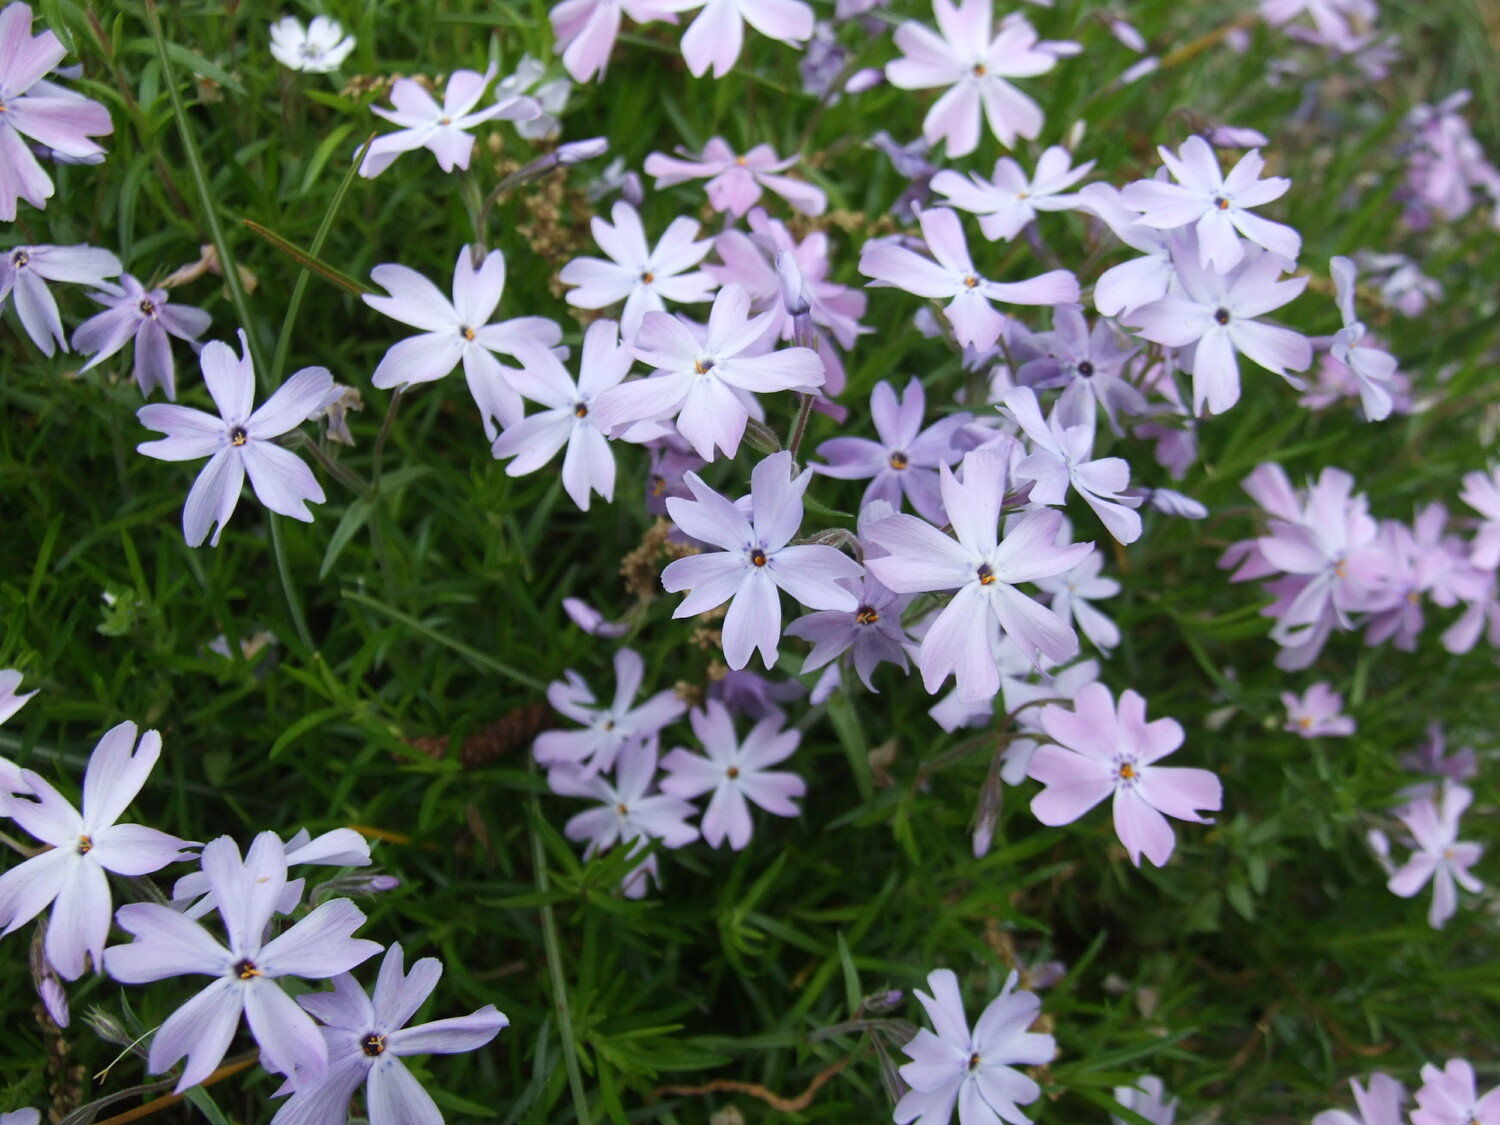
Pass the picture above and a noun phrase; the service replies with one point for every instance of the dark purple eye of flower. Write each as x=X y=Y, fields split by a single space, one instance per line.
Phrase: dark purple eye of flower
x=703 y=366
x=147 y=307
x=238 y=436
x=986 y=575
x=974 y=1061
x=758 y=557
x=867 y=615
x=581 y=410
x=85 y=845
x=468 y=333
x=1221 y=316
x=1221 y=203
x=373 y=1045
x=648 y=277
x=246 y=969
x=20 y=257
x=898 y=460
x=1085 y=369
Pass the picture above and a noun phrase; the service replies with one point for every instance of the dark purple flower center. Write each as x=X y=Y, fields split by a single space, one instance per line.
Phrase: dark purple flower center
x=1221 y=316
x=986 y=575
x=238 y=436
x=867 y=615
x=703 y=366
x=1221 y=203
x=898 y=460
x=246 y=969
x=85 y=845
x=373 y=1045
x=648 y=277
x=758 y=557
x=20 y=258
x=581 y=410
x=1085 y=369
x=974 y=1061
x=147 y=307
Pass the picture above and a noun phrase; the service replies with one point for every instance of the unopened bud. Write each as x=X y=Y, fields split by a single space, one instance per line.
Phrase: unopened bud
x=987 y=815
x=880 y=1002
x=761 y=437
x=109 y=1027
x=353 y=886
x=575 y=152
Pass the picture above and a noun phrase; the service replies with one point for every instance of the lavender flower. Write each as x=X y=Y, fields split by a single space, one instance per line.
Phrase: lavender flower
x=36 y=108
x=1380 y=1105
x=984 y=569
x=1101 y=752
x=366 y=1042
x=1073 y=592
x=586 y=30
x=1439 y=856
x=953 y=276
x=975 y=67
x=754 y=560
x=735 y=181
x=193 y=896
x=696 y=380
x=166 y=945
x=1088 y=365
x=1008 y=201
x=1449 y=1097
x=442 y=129
x=1123 y=288
x=609 y=730
x=718 y=34
x=637 y=274
x=70 y=876
x=25 y=271
x=135 y=312
x=588 y=465
x=458 y=331
x=1373 y=369
x=976 y=1071
x=238 y=442
x=736 y=772
x=591 y=621
x=1148 y=1098
x=319 y=48
x=1316 y=713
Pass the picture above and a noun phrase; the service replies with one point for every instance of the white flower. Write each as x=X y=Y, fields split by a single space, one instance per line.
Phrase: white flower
x=318 y=48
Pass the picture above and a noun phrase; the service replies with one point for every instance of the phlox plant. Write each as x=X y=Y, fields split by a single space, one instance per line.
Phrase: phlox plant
x=749 y=561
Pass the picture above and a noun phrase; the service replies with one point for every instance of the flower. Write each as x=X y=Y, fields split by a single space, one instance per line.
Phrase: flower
x=591 y=621
x=443 y=129
x=318 y=48
x=1380 y=1105
x=1214 y=204
x=367 y=1041
x=458 y=331
x=1073 y=592
x=627 y=814
x=585 y=31
x=1448 y=1097
x=238 y=442
x=1008 y=201
x=905 y=459
x=609 y=730
x=33 y=107
x=1148 y=1098
x=193 y=897
x=1218 y=314
x=735 y=181
x=736 y=772
x=1100 y=752
x=1373 y=369
x=696 y=381
x=1061 y=455
x=1438 y=856
x=952 y=275
x=984 y=569
x=639 y=275
x=1316 y=713
x=975 y=1071
x=70 y=875
x=717 y=35
x=754 y=560
x=975 y=67
x=166 y=944
x=24 y=272
x=1482 y=493
x=135 y=312
x=1088 y=365
x=1123 y=288
x=588 y=465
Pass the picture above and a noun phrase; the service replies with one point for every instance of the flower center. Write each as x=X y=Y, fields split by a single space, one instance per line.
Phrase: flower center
x=971 y=282
x=373 y=1045
x=867 y=615
x=1127 y=772
x=986 y=575
x=658 y=485
x=1305 y=722
x=741 y=161
x=238 y=436
x=147 y=307
x=20 y=258
x=468 y=333
x=703 y=365
x=898 y=460
x=581 y=410
x=1221 y=203
x=758 y=557
x=974 y=1061
x=1085 y=369
x=85 y=845
x=609 y=724
x=623 y=809
x=445 y=121
x=732 y=772
x=246 y=969
x=980 y=70
x=648 y=277
x=1221 y=316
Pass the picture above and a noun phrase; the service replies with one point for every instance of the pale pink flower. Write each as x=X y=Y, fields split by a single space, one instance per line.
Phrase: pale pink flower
x=1316 y=713
x=1439 y=857
x=1449 y=1097
x=735 y=181
x=1009 y=200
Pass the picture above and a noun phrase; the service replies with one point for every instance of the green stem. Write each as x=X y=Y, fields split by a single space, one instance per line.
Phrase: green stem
x=283 y=568
x=799 y=427
x=232 y=282
x=555 y=969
